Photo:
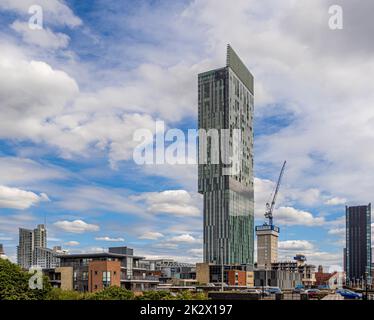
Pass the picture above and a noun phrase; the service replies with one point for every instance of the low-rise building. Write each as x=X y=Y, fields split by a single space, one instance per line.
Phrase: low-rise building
x=233 y=275
x=299 y=265
x=60 y=277
x=169 y=270
x=94 y=271
x=283 y=279
x=331 y=280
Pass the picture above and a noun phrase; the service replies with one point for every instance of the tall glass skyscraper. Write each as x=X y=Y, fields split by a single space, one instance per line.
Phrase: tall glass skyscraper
x=225 y=98
x=358 y=242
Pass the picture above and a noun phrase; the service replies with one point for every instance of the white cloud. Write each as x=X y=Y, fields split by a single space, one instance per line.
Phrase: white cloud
x=337 y=231
x=44 y=38
x=109 y=239
x=52 y=110
x=291 y=216
x=54 y=11
x=151 y=235
x=72 y=243
x=76 y=226
x=15 y=198
x=295 y=245
x=173 y=202
x=186 y=238
x=22 y=171
x=87 y=198
x=336 y=201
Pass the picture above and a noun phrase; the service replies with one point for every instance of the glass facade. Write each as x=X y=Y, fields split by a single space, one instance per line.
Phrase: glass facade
x=226 y=101
x=358 y=242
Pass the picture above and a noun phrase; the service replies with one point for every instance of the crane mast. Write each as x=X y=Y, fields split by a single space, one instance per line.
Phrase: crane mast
x=270 y=206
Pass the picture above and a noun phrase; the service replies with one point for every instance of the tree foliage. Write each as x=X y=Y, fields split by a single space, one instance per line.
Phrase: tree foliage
x=14 y=284
x=58 y=294
x=112 y=293
x=156 y=295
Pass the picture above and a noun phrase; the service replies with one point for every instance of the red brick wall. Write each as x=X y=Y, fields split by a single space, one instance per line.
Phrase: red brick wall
x=241 y=277
x=95 y=274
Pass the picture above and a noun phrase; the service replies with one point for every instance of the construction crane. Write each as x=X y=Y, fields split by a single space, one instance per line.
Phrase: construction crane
x=270 y=206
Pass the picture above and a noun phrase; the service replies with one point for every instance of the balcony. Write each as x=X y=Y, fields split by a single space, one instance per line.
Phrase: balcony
x=140 y=279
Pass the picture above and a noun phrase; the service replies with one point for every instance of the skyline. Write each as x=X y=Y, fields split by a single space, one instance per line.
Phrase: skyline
x=96 y=73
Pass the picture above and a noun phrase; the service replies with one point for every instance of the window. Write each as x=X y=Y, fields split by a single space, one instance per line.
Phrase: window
x=106 y=278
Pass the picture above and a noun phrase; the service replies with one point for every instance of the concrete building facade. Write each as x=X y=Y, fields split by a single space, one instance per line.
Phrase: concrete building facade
x=267 y=245
x=118 y=267
x=46 y=258
x=25 y=248
x=226 y=101
x=32 y=249
x=283 y=279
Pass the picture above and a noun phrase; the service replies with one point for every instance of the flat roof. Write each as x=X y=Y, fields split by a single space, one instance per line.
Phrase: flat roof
x=98 y=255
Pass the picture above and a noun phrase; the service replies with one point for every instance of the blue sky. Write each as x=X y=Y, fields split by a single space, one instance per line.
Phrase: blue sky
x=74 y=92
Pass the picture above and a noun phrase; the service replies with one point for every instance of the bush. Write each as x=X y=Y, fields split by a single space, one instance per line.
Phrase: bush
x=188 y=295
x=58 y=294
x=14 y=284
x=167 y=295
x=112 y=293
x=156 y=295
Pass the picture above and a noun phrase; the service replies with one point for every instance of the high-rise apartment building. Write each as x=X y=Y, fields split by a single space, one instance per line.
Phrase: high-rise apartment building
x=29 y=240
x=358 y=242
x=226 y=101
x=40 y=236
x=25 y=248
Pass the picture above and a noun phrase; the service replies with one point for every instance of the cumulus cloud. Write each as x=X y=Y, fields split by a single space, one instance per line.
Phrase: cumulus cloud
x=186 y=238
x=151 y=235
x=76 y=226
x=44 y=38
x=173 y=202
x=15 y=198
x=109 y=239
x=336 y=201
x=291 y=216
x=295 y=245
x=54 y=11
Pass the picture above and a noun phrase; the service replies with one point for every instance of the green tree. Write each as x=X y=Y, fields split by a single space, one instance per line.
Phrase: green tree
x=58 y=294
x=14 y=284
x=112 y=293
x=156 y=295
x=188 y=295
